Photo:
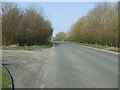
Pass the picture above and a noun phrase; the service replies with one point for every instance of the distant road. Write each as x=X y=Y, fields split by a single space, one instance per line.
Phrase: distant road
x=63 y=66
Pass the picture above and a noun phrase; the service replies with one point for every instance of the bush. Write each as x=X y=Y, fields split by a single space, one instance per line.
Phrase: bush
x=24 y=27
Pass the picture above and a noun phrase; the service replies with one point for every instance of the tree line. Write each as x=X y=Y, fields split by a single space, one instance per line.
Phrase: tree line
x=99 y=26
x=24 y=26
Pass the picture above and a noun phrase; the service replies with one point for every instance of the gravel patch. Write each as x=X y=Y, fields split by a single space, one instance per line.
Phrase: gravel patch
x=26 y=66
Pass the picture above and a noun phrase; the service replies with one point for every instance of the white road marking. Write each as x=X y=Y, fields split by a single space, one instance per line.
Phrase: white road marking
x=46 y=72
x=42 y=85
x=53 y=45
x=101 y=50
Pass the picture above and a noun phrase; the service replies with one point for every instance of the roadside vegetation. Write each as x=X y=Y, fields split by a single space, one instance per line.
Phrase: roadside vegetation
x=115 y=49
x=14 y=47
x=99 y=28
x=5 y=78
x=24 y=27
x=0 y=77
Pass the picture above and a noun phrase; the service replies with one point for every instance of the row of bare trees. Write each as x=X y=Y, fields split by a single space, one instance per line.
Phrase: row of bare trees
x=24 y=27
x=61 y=36
x=99 y=26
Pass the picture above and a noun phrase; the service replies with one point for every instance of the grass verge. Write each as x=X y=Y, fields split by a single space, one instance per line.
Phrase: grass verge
x=14 y=47
x=5 y=78
x=114 y=49
x=0 y=77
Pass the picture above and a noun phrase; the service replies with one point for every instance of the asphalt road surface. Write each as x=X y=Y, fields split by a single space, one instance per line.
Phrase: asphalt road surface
x=63 y=66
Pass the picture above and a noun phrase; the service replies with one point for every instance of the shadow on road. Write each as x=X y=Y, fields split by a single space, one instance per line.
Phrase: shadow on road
x=5 y=64
x=56 y=44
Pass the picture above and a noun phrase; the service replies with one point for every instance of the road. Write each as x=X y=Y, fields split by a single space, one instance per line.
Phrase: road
x=63 y=66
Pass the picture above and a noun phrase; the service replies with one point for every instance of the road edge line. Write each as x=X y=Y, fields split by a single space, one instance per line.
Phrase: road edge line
x=117 y=53
x=101 y=49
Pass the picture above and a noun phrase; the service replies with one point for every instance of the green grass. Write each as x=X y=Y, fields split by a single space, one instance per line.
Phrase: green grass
x=27 y=47
x=5 y=78
x=0 y=78
x=97 y=46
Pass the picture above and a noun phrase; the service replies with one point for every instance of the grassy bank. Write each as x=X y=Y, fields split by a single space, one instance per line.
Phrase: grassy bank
x=15 y=47
x=114 y=49
x=0 y=78
x=5 y=78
